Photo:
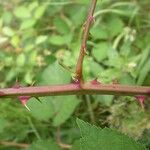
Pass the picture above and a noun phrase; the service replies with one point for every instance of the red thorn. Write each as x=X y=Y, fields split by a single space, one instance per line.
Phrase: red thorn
x=91 y=18
x=141 y=99
x=77 y=83
x=24 y=99
x=95 y=82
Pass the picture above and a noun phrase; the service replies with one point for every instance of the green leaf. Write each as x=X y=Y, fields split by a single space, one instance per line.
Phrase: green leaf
x=7 y=17
x=115 y=25
x=15 y=40
x=8 y=31
x=99 y=32
x=60 y=40
x=59 y=108
x=22 y=12
x=33 y=5
x=21 y=59
x=55 y=74
x=125 y=49
x=114 y=58
x=10 y=75
x=77 y=18
x=76 y=145
x=144 y=72
x=61 y=25
x=41 y=111
x=144 y=57
x=3 y=124
x=95 y=68
x=94 y=138
x=100 y=51
x=108 y=75
x=44 y=145
x=28 y=77
x=65 y=105
x=28 y=23
x=41 y=39
x=39 y=11
x=127 y=79
x=85 y=128
x=32 y=58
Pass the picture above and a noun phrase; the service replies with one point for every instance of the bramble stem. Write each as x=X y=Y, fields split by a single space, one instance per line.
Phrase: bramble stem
x=89 y=20
x=75 y=89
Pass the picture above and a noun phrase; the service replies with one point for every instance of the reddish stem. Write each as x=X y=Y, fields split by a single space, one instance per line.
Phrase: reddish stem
x=89 y=20
x=75 y=89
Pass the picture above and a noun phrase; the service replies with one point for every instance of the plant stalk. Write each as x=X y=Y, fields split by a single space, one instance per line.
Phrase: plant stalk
x=86 y=28
x=75 y=89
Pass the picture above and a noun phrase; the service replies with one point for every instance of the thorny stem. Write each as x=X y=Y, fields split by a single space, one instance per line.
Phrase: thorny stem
x=78 y=87
x=75 y=89
x=89 y=20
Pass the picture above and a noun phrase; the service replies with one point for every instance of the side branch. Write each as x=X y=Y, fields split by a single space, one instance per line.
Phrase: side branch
x=89 y=20
x=75 y=89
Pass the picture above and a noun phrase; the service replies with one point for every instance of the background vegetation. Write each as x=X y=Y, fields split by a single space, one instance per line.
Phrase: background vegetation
x=36 y=36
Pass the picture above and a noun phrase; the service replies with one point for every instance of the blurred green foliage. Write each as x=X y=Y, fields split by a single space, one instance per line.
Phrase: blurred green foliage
x=36 y=35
